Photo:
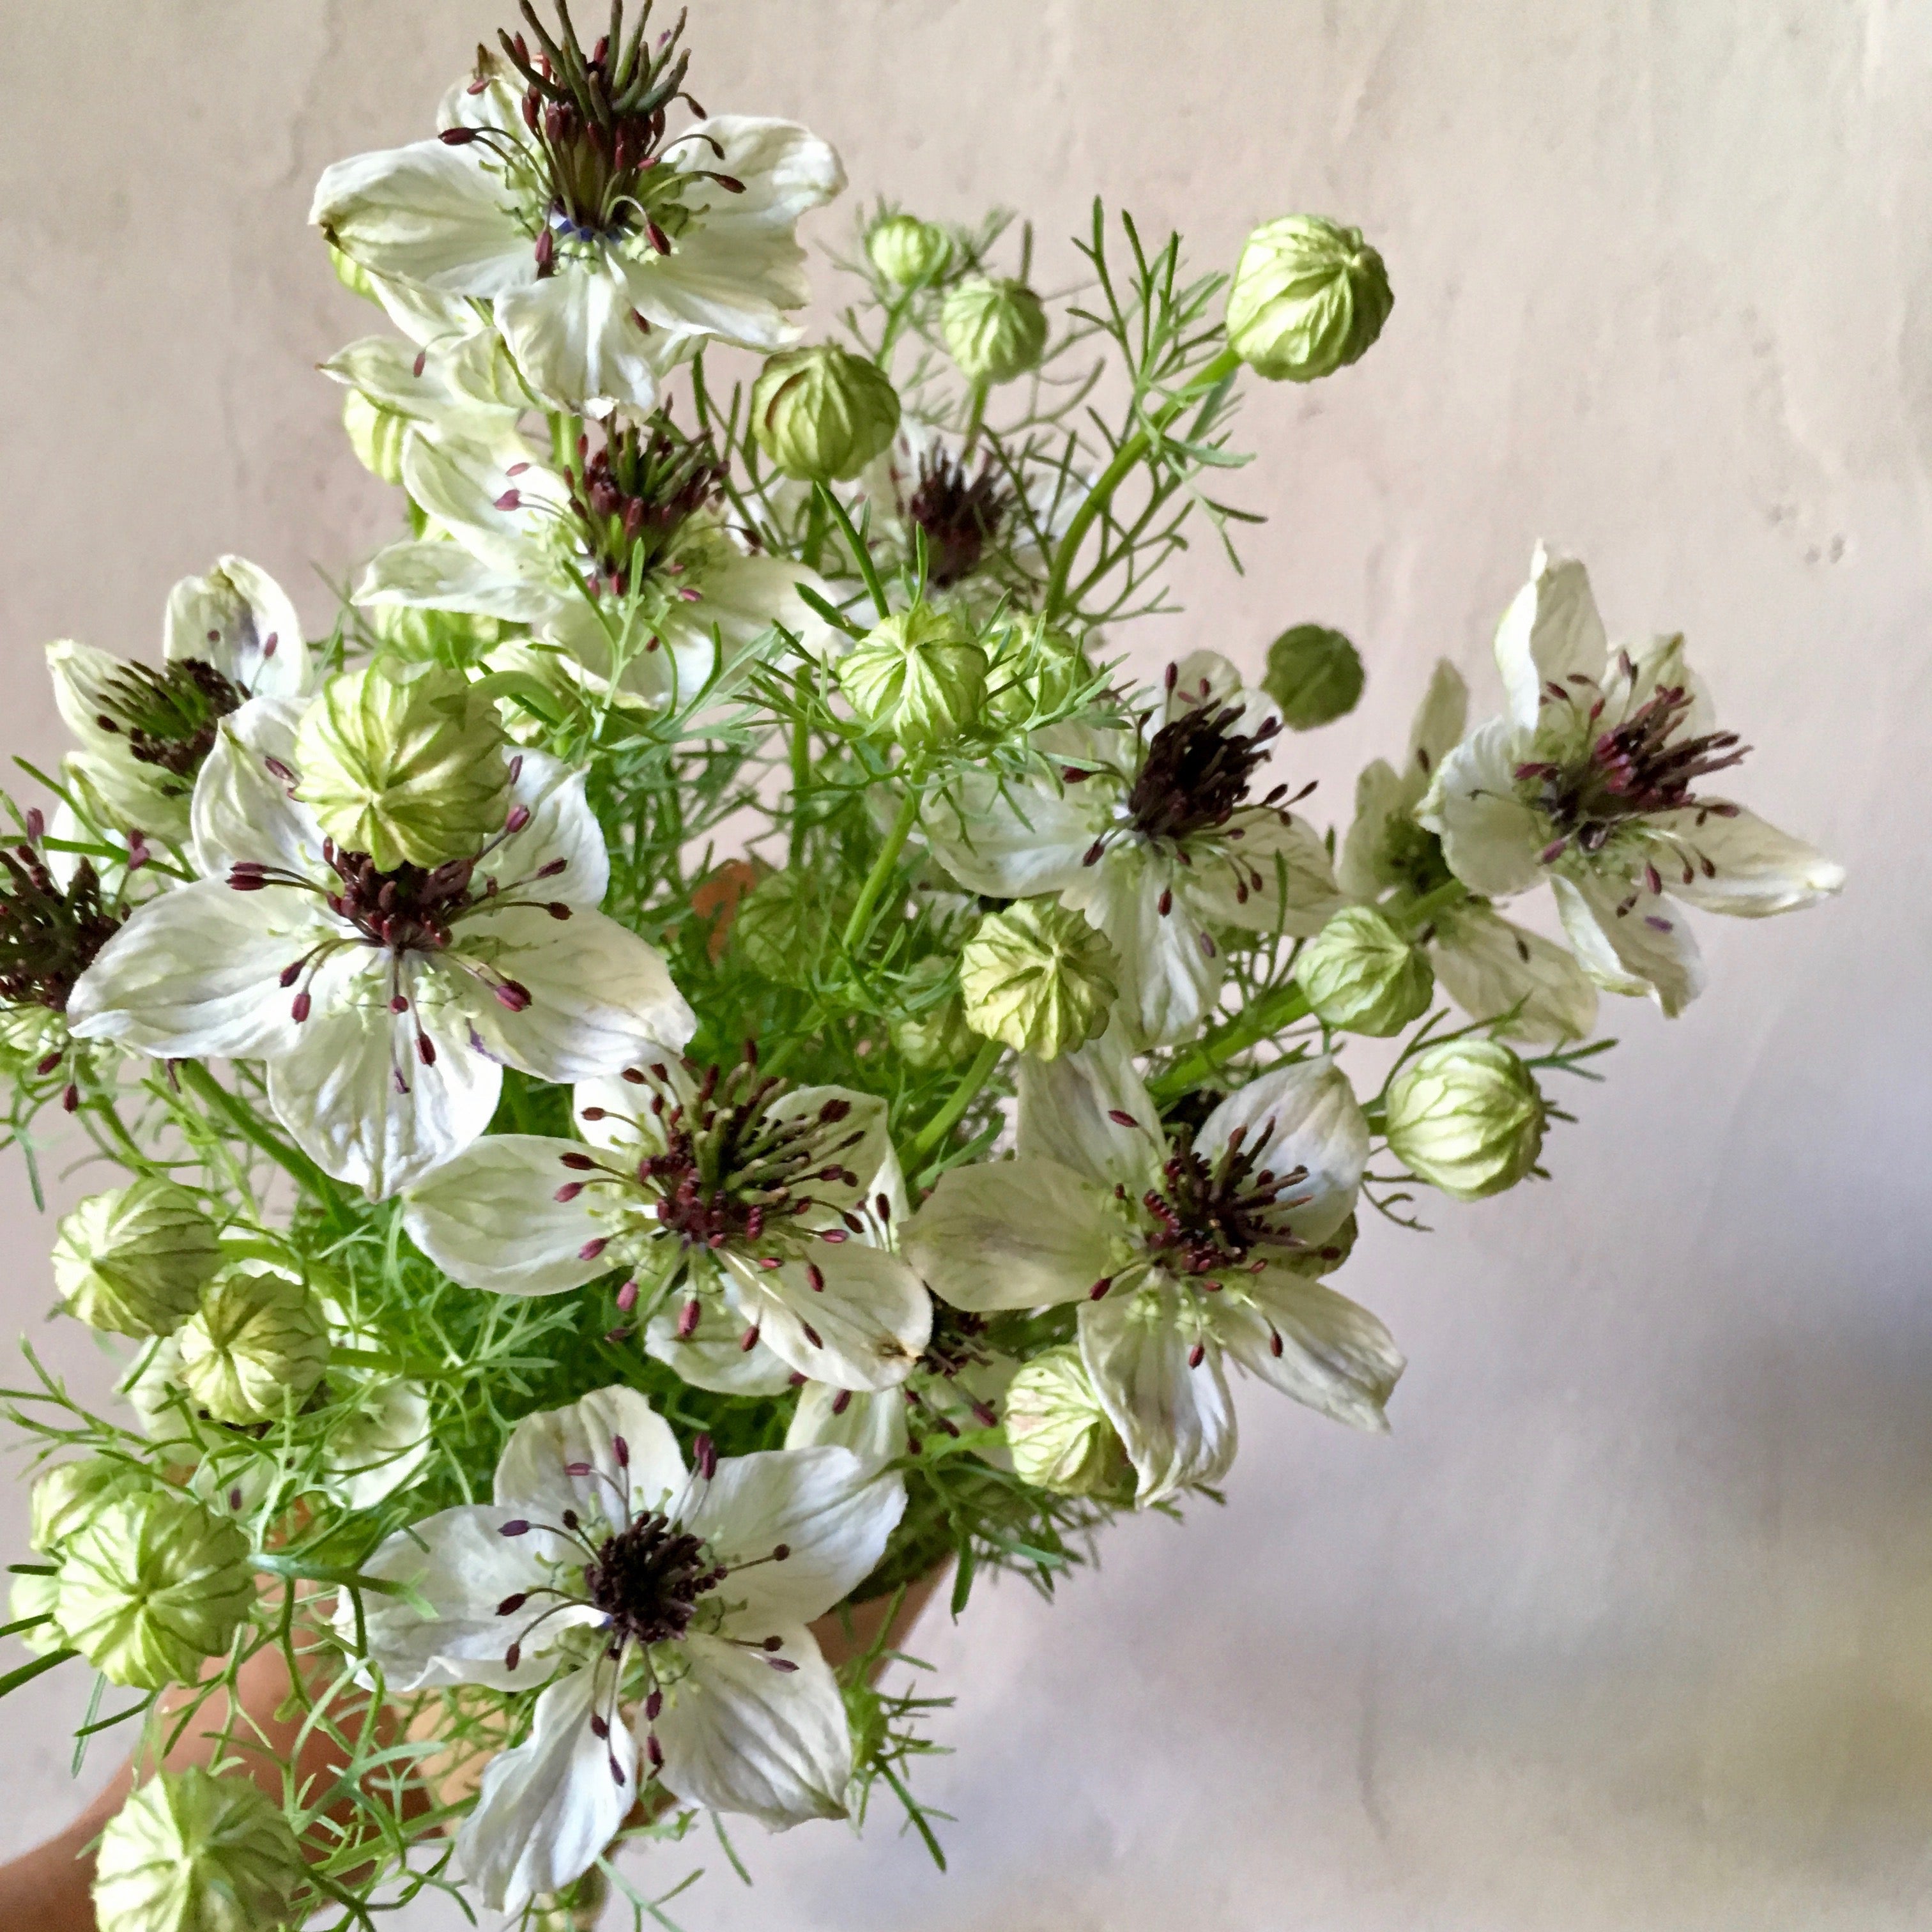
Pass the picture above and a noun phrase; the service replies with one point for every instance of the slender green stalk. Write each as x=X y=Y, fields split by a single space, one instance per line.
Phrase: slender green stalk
x=933 y=1134
x=976 y=420
x=884 y=865
x=1260 y=1021
x=801 y=783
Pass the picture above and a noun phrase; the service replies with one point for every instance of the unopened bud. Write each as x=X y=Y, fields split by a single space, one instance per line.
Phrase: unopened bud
x=1308 y=297
x=994 y=330
x=821 y=413
x=257 y=1343
x=782 y=922
x=404 y=764
x=1362 y=975
x=1039 y=979
x=907 y=252
x=1061 y=1438
x=190 y=1852
x=1036 y=673
x=935 y=1032
x=919 y=677
x=134 y=1260
x=1314 y=674
x=1466 y=1117
x=68 y=1496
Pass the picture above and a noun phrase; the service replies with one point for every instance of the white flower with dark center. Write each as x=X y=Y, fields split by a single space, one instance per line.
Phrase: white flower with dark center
x=1589 y=782
x=1182 y=1248
x=386 y=1004
x=606 y=246
x=737 y=1203
x=144 y=732
x=1487 y=965
x=622 y=561
x=663 y=1613
x=1154 y=838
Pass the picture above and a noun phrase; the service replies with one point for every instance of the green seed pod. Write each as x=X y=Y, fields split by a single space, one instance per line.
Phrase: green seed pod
x=192 y=1852
x=936 y=1035
x=257 y=1342
x=1039 y=979
x=1060 y=1435
x=457 y=638
x=994 y=330
x=1308 y=297
x=407 y=765
x=152 y=1585
x=69 y=1495
x=1362 y=975
x=375 y=434
x=919 y=677
x=1466 y=1117
x=1037 y=670
x=1314 y=674
x=782 y=925
x=821 y=413
x=133 y=1260
x=35 y=1602
x=908 y=253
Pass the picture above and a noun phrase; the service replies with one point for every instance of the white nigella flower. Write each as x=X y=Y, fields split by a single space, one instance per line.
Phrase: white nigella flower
x=1486 y=964
x=606 y=249
x=622 y=561
x=230 y=636
x=1158 y=845
x=737 y=1203
x=1181 y=1248
x=386 y=1005
x=1588 y=782
x=664 y=1615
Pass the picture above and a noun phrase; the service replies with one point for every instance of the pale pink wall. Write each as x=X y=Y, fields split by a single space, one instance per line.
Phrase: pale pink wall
x=1630 y=1623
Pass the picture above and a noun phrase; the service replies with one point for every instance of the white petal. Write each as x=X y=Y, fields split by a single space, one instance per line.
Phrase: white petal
x=740 y=1735
x=426 y=214
x=1067 y=1109
x=862 y=1138
x=1026 y=1233
x=871 y=1317
x=601 y=997
x=1205 y=678
x=380 y=1448
x=242 y=810
x=872 y=1426
x=490 y=1218
x=1650 y=949
x=1177 y=1423
x=562 y=826
x=1759 y=870
x=1297 y=893
x=1304 y=1115
x=714 y=1357
x=1490 y=967
x=632 y=1457
x=444 y=576
x=503 y=519
x=825 y=1506
x=1009 y=845
x=462 y=1564
x=546 y=1811
x=740 y=598
x=578 y=342
x=787 y=170
x=1361 y=870
x=1440 y=719
x=239 y=620
x=1492 y=841
x=197 y=972
x=1171 y=966
x=80 y=673
x=1550 y=633
x=336 y=1089
x=1334 y=1357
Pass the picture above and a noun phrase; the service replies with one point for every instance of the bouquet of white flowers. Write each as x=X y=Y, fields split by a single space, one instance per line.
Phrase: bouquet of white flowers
x=708 y=1056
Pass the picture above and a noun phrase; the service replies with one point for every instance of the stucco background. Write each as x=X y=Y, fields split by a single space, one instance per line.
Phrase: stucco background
x=1629 y=1624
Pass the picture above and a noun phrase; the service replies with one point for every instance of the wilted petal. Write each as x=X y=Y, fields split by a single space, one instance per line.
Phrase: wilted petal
x=491 y=1219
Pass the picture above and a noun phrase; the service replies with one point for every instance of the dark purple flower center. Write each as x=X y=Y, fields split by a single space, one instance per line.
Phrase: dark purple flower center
x=1213 y=1215
x=1197 y=772
x=646 y=1578
x=49 y=934
x=633 y=497
x=959 y=518
x=169 y=717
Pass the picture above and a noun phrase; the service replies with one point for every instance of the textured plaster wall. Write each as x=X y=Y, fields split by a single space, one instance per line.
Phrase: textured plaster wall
x=1629 y=1624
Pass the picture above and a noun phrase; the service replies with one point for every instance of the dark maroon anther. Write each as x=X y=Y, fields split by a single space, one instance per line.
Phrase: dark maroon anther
x=48 y=1062
x=704 y=1456
x=1206 y=941
x=835 y=1235
x=510 y=1605
x=513 y=1657
x=783 y=1664
x=421 y=363
x=514 y=995
x=1172 y=676
x=557 y=910
x=622 y=1450
x=635 y=1076
x=511 y=499
x=517 y=1526
x=591 y=1250
x=1095 y=852
x=841 y=1401
x=70 y=1099
x=1196 y=1356
x=568 y=1192
x=519 y=817
x=654 y=1751
x=300 y=1007
x=246 y=882
x=659 y=240
x=457 y=137
x=653 y=1705
x=580 y=1163
x=1121 y=1119
x=37 y=825
x=1100 y=1287
x=811 y=1334
x=576 y=1470
x=600 y=1728
x=546 y=252
x=425 y=1049
x=815 y=1276
x=748 y=1341
x=290 y=974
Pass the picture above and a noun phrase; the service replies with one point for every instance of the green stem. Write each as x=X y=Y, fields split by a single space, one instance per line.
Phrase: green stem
x=1265 y=1018
x=815 y=532
x=931 y=1136
x=975 y=421
x=294 y=1568
x=28 y=1672
x=246 y=1122
x=1418 y=913
x=1126 y=459
x=801 y=782
x=884 y=865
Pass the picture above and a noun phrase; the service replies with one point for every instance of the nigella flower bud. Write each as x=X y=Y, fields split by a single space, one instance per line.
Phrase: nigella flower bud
x=135 y=1259
x=68 y=1496
x=151 y=1586
x=257 y=1343
x=406 y=764
x=1059 y=1434
x=821 y=413
x=1362 y=975
x=1039 y=979
x=919 y=677
x=1466 y=1117
x=994 y=330
x=907 y=252
x=1037 y=670
x=190 y=1852
x=1314 y=674
x=782 y=922
x=375 y=435
x=1308 y=297
x=935 y=1033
